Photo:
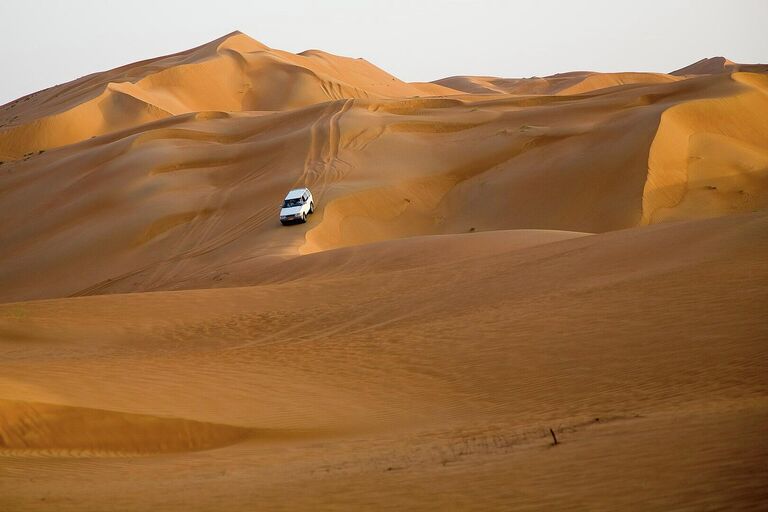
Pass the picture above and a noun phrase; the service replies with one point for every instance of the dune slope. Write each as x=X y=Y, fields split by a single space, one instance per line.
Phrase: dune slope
x=233 y=73
x=417 y=378
x=191 y=200
x=34 y=428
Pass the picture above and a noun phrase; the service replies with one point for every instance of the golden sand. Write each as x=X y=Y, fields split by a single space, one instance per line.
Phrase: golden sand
x=490 y=259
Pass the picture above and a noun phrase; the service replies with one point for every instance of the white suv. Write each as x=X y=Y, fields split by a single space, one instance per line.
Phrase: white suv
x=298 y=203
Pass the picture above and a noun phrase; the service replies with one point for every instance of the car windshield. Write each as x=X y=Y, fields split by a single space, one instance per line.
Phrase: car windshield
x=289 y=203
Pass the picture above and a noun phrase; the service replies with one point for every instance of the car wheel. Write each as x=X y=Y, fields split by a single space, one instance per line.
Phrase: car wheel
x=311 y=207
x=303 y=217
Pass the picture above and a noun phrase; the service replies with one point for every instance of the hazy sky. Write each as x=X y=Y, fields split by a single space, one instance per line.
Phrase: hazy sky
x=49 y=42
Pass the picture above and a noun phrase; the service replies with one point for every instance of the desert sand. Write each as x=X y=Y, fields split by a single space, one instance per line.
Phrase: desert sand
x=491 y=258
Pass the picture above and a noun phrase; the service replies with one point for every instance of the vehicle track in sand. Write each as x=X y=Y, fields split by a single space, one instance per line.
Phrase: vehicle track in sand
x=323 y=166
x=203 y=237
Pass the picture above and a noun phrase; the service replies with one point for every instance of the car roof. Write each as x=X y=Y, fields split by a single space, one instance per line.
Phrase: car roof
x=296 y=192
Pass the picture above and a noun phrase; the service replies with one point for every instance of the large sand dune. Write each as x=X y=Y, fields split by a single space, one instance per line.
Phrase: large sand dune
x=234 y=73
x=190 y=201
x=490 y=258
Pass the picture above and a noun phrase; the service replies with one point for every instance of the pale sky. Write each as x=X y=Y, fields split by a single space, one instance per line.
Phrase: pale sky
x=45 y=43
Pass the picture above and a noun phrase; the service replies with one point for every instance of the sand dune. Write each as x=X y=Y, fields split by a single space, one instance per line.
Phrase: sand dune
x=715 y=65
x=233 y=73
x=490 y=259
x=709 y=156
x=424 y=377
x=560 y=84
x=190 y=200
x=578 y=82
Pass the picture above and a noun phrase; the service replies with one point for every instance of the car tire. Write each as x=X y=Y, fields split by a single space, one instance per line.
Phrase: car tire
x=311 y=208
x=303 y=218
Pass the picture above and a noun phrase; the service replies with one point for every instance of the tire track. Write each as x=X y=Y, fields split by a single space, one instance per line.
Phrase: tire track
x=321 y=166
x=198 y=234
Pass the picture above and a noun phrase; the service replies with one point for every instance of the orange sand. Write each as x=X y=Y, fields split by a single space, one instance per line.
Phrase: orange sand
x=490 y=258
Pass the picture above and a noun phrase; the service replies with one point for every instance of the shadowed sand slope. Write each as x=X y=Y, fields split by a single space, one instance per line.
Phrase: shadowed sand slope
x=436 y=382
x=35 y=428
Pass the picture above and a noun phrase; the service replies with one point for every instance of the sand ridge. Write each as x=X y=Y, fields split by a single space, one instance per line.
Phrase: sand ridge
x=713 y=65
x=559 y=84
x=233 y=73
